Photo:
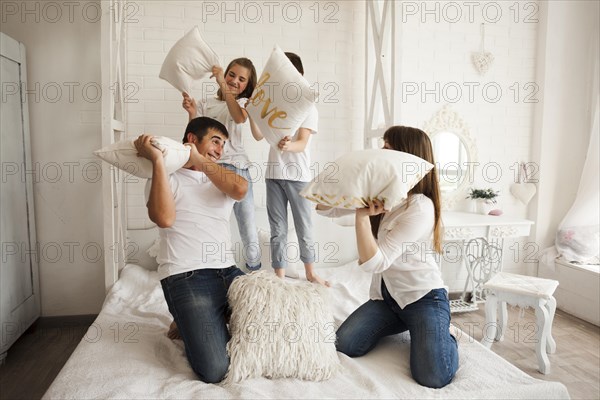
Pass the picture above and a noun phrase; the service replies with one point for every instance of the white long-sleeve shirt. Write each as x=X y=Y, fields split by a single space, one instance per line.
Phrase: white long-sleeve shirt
x=405 y=256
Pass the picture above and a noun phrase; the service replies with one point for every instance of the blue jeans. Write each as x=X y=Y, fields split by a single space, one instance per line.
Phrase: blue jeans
x=433 y=350
x=279 y=193
x=198 y=302
x=244 y=215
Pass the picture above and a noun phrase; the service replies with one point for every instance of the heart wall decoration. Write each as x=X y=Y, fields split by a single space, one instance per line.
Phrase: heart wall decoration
x=523 y=190
x=482 y=60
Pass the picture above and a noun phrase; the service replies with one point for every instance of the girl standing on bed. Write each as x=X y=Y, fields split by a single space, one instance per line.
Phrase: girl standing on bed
x=236 y=85
x=407 y=291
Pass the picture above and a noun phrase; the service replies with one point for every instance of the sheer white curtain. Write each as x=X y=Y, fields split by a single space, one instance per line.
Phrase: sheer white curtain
x=578 y=236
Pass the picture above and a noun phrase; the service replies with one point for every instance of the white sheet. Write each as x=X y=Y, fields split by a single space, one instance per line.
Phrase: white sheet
x=125 y=354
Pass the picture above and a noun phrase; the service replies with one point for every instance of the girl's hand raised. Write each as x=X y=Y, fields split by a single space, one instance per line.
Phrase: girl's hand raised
x=217 y=73
x=189 y=105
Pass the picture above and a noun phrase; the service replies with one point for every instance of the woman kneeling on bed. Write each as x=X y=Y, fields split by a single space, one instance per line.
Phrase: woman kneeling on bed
x=407 y=291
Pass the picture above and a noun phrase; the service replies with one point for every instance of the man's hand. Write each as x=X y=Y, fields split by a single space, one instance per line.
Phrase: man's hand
x=196 y=160
x=144 y=147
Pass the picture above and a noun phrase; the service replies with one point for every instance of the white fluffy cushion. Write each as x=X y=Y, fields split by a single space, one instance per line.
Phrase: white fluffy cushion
x=191 y=58
x=281 y=100
x=123 y=155
x=280 y=330
x=386 y=175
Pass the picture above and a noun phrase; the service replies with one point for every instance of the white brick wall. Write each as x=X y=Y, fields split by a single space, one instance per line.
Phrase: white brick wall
x=432 y=48
x=435 y=49
x=327 y=35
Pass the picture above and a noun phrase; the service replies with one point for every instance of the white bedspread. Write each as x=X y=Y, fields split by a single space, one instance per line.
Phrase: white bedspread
x=125 y=354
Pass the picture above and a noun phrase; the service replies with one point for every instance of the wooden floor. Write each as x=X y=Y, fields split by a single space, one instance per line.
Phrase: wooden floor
x=36 y=358
x=576 y=362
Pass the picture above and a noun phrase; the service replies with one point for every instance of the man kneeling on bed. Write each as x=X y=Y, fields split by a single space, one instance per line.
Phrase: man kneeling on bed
x=192 y=208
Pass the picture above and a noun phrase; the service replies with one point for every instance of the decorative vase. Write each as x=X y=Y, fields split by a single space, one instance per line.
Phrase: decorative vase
x=483 y=206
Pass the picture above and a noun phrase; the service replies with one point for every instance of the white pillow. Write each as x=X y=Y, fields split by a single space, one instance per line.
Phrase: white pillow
x=281 y=100
x=387 y=175
x=280 y=330
x=191 y=58
x=123 y=155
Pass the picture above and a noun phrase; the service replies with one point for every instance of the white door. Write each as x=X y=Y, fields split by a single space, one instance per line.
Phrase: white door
x=19 y=288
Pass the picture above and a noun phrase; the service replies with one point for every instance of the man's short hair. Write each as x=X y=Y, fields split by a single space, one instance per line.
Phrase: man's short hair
x=201 y=125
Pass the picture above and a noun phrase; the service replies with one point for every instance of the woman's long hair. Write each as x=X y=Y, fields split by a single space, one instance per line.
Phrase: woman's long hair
x=246 y=63
x=416 y=142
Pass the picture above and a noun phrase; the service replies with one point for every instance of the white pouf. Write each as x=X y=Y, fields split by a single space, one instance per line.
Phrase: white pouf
x=523 y=291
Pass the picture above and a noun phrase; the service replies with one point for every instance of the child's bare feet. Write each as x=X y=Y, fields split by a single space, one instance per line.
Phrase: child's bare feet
x=173 y=332
x=314 y=278
x=280 y=272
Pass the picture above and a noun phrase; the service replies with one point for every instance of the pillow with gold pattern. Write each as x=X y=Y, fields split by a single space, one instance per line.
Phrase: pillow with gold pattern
x=281 y=100
x=360 y=176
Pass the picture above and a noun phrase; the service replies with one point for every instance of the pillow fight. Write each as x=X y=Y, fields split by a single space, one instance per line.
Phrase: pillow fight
x=191 y=201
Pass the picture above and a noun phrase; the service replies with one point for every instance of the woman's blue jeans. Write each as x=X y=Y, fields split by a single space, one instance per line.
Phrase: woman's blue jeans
x=433 y=350
x=198 y=302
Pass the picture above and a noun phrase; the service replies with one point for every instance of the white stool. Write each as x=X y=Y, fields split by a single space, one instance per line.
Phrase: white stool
x=523 y=291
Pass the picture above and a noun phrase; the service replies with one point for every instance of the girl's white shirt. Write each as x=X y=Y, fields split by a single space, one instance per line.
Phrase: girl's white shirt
x=292 y=166
x=233 y=152
x=405 y=258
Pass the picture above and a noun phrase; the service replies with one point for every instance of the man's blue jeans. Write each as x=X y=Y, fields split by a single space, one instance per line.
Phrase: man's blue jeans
x=433 y=350
x=198 y=302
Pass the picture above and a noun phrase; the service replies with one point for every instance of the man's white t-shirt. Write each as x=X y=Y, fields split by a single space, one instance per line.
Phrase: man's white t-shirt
x=289 y=165
x=200 y=236
x=233 y=152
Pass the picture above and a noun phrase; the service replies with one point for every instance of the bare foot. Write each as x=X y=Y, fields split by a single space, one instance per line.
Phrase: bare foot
x=173 y=332
x=280 y=272
x=314 y=278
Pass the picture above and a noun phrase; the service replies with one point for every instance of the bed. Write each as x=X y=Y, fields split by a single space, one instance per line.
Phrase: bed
x=125 y=354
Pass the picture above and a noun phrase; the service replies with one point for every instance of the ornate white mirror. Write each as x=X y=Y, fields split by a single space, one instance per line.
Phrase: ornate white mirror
x=455 y=154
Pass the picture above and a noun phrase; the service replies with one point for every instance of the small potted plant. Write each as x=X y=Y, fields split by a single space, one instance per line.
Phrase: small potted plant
x=484 y=199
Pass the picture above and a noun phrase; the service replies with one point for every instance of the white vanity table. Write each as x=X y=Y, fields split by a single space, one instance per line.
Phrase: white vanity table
x=481 y=238
x=478 y=239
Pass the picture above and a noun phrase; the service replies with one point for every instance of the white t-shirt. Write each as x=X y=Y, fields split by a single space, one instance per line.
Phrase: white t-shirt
x=289 y=165
x=405 y=258
x=200 y=236
x=233 y=152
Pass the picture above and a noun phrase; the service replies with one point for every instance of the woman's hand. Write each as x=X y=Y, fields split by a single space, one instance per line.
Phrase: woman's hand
x=374 y=207
x=366 y=244
x=189 y=105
